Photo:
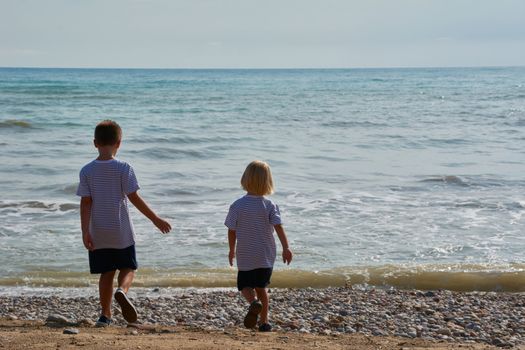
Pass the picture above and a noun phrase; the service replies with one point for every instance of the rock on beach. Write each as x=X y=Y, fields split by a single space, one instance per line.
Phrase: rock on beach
x=491 y=318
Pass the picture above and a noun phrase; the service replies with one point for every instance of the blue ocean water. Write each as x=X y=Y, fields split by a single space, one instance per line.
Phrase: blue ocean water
x=379 y=172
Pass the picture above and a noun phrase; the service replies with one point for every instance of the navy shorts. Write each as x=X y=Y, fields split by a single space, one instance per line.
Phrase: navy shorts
x=258 y=278
x=109 y=259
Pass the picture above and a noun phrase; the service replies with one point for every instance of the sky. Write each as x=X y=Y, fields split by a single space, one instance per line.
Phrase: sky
x=261 y=33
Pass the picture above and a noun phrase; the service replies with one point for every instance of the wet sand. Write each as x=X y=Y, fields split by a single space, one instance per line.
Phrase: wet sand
x=34 y=335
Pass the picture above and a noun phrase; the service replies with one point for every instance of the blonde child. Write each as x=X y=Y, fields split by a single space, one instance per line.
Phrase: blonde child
x=106 y=185
x=251 y=221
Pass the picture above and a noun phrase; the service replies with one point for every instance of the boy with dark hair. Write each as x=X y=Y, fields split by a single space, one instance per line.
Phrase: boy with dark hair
x=106 y=184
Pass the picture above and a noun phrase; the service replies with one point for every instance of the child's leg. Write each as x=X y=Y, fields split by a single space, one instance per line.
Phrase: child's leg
x=249 y=294
x=105 y=290
x=250 y=320
x=125 y=277
x=262 y=295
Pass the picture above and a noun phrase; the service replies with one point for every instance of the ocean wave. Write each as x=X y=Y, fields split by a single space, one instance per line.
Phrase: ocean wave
x=173 y=153
x=44 y=89
x=448 y=179
x=472 y=181
x=456 y=277
x=39 y=205
x=178 y=192
x=15 y=123
x=449 y=141
x=58 y=188
x=190 y=191
x=519 y=122
x=353 y=124
x=327 y=158
x=188 y=140
x=69 y=189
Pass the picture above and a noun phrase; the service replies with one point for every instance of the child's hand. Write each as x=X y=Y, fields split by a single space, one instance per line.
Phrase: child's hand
x=287 y=256
x=162 y=225
x=231 y=255
x=88 y=243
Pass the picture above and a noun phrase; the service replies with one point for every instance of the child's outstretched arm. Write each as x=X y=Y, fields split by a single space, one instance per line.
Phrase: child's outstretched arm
x=139 y=203
x=85 y=217
x=287 y=253
x=232 y=237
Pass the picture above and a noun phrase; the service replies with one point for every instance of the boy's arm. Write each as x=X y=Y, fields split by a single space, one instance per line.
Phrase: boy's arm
x=287 y=253
x=232 y=237
x=139 y=203
x=85 y=217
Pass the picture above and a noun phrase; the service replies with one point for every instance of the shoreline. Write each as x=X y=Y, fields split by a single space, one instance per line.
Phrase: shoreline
x=457 y=277
x=487 y=318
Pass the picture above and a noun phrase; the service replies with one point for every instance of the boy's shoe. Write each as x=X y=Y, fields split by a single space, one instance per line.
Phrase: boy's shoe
x=250 y=320
x=103 y=321
x=265 y=327
x=128 y=310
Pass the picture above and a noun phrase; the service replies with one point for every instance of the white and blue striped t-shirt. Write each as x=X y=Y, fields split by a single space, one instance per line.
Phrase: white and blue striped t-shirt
x=253 y=218
x=108 y=182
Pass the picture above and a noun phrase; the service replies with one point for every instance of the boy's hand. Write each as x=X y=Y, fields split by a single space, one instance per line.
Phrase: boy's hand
x=88 y=243
x=287 y=256
x=231 y=255
x=162 y=225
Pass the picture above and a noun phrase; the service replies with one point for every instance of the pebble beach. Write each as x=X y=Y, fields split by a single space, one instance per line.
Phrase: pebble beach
x=490 y=318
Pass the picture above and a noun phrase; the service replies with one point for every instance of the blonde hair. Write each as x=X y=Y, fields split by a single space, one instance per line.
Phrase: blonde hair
x=257 y=178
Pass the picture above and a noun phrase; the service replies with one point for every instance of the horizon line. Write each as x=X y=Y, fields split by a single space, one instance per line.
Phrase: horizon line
x=263 y=68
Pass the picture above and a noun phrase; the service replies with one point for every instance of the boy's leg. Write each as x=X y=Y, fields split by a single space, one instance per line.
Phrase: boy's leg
x=125 y=278
x=248 y=294
x=262 y=295
x=250 y=320
x=105 y=290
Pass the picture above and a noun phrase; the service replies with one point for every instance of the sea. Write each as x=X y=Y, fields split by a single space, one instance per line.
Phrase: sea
x=386 y=178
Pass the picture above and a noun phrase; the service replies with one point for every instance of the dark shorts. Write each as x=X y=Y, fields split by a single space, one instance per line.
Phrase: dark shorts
x=258 y=278
x=105 y=260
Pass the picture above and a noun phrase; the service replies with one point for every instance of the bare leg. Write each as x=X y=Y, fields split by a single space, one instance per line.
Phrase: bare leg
x=125 y=277
x=262 y=295
x=250 y=320
x=105 y=290
x=248 y=294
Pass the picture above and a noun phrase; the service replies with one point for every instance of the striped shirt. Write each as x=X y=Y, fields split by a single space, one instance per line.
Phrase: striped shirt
x=108 y=182
x=253 y=218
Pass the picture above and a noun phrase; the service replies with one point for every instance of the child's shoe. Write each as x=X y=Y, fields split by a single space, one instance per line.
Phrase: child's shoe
x=265 y=327
x=103 y=321
x=128 y=310
x=250 y=320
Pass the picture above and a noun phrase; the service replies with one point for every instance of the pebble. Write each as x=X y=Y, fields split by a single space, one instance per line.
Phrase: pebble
x=412 y=332
x=56 y=318
x=71 y=331
x=444 y=331
x=473 y=317
x=86 y=322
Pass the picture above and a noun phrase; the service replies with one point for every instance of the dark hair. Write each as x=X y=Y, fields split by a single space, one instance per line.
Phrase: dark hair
x=108 y=133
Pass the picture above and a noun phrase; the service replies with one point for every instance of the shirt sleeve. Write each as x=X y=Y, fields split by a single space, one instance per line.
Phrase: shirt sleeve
x=129 y=180
x=275 y=215
x=231 y=219
x=83 y=186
